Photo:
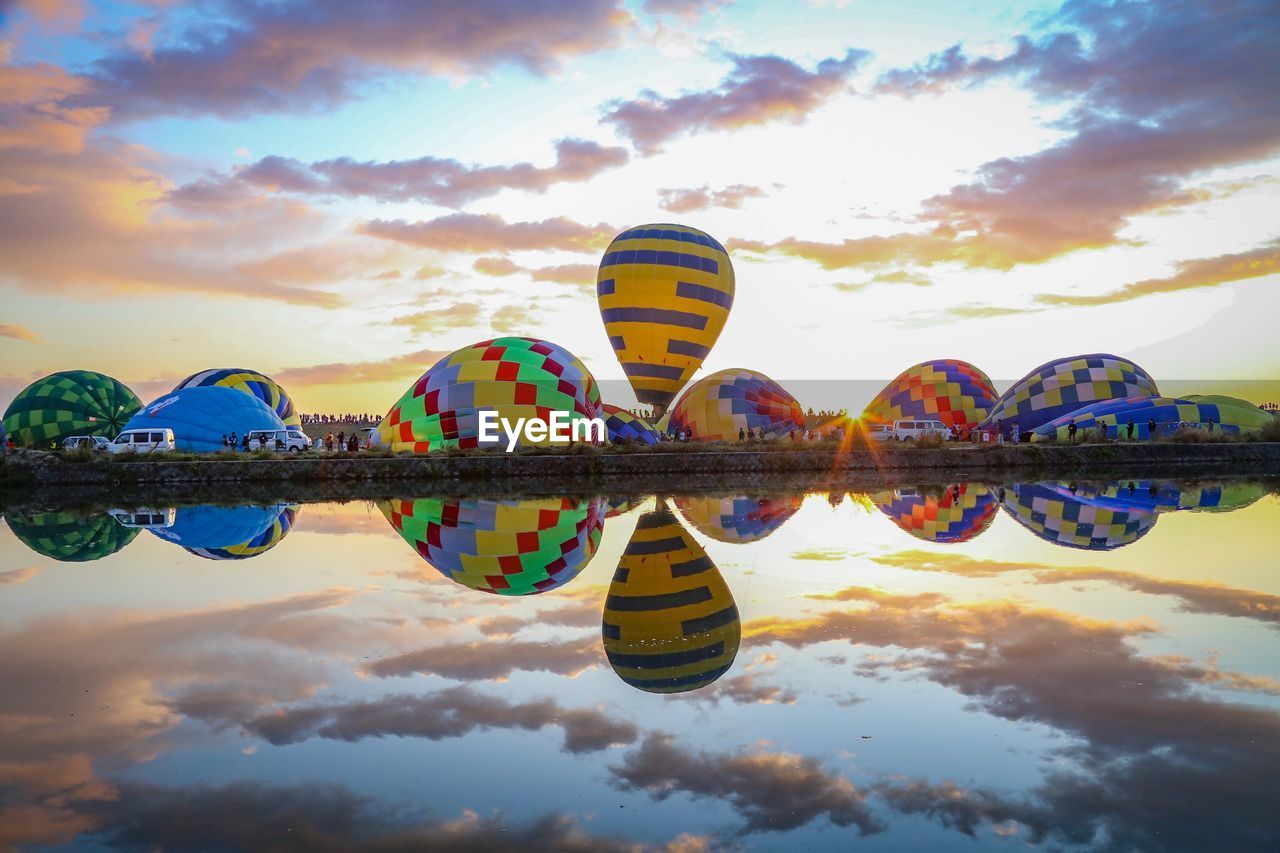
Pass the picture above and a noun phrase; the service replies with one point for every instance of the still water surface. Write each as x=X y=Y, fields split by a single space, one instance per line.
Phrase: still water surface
x=959 y=666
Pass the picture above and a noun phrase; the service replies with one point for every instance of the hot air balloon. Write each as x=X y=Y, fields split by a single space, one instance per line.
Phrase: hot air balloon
x=670 y=622
x=200 y=417
x=626 y=427
x=716 y=407
x=623 y=504
x=250 y=382
x=1052 y=512
x=229 y=532
x=70 y=537
x=1167 y=412
x=665 y=292
x=514 y=377
x=1062 y=386
x=73 y=402
x=508 y=547
x=948 y=390
x=737 y=519
x=958 y=514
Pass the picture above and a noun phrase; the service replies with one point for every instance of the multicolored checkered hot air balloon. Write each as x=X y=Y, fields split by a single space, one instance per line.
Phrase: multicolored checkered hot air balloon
x=70 y=537
x=948 y=390
x=251 y=382
x=509 y=547
x=958 y=514
x=1063 y=386
x=1052 y=512
x=716 y=407
x=514 y=377
x=737 y=519
x=72 y=402
x=626 y=427
x=1168 y=413
x=665 y=292
x=670 y=621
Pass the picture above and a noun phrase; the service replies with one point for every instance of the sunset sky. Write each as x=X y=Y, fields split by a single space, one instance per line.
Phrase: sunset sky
x=339 y=193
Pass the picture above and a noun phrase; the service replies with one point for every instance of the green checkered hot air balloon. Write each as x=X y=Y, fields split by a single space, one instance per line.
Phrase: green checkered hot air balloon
x=72 y=402
x=70 y=537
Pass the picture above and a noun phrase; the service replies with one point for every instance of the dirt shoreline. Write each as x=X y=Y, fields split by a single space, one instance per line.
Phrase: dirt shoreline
x=30 y=479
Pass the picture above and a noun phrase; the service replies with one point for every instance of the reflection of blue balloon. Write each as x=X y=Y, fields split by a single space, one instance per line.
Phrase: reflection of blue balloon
x=227 y=532
x=201 y=416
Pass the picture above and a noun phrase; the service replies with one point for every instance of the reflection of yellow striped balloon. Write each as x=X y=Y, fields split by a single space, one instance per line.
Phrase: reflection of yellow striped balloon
x=670 y=622
x=665 y=292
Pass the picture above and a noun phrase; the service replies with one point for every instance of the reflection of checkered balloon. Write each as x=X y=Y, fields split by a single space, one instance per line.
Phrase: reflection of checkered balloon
x=948 y=390
x=1062 y=386
x=70 y=538
x=738 y=519
x=73 y=402
x=513 y=377
x=1075 y=521
x=509 y=547
x=957 y=515
x=716 y=407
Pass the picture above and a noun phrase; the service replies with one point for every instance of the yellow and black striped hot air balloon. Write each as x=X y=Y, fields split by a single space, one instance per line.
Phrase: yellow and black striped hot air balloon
x=665 y=292
x=670 y=622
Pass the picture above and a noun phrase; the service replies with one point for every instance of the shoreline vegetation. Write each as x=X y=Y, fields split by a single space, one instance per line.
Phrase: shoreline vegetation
x=631 y=468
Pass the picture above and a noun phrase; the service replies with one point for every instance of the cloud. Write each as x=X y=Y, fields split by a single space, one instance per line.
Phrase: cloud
x=511 y=319
x=772 y=791
x=450 y=713
x=488 y=232
x=13 y=577
x=687 y=9
x=18 y=333
x=1191 y=274
x=704 y=198
x=741 y=690
x=407 y=367
x=433 y=180
x=757 y=90
x=499 y=266
x=581 y=275
x=312 y=56
x=491 y=661
x=460 y=315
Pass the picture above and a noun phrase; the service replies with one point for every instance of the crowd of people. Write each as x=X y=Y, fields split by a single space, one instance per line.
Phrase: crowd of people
x=362 y=418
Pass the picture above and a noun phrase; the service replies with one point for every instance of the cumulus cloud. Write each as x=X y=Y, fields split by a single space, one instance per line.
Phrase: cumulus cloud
x=692 y=200
x=407 y=366
x=757 y=90
x=14 y=577
x=511 y=319
x=488 y=232
x=741 y=690
x=459 y=315
x=771 y=791
x=312 y=55
x=489 y=661
x=434 y=180
x=18 y=333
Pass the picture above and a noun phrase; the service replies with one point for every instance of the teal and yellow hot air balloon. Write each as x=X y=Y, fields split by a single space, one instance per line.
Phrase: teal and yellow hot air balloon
x=670 y=621
x=665 y=292
x=72 y=402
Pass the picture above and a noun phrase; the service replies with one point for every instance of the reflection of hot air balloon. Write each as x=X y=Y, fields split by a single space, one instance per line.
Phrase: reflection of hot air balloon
x=959 y=514
x=716 y=407
x=511 y=547
x=250 y=382
x=68 y=537
x=1165 y=496
x=954 y=392
x=514 y=377
x=1062 y=386
x=228 y=532
x=665 y=292
x=738 y=519
x=670 y=622
x=626 y=427
x=1167 y=412
x=623 y=504
x=200 y=417
x=1053 y=513
x=73 y=402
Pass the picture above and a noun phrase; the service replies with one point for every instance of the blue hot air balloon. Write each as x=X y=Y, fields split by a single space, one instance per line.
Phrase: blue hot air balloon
x=201 y=416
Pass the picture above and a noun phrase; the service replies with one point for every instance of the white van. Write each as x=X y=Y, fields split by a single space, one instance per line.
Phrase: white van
x=879 y=432
x=145 y=519
x=292 y=440
x=93 y=442
x=143 y=441
x=910 y=429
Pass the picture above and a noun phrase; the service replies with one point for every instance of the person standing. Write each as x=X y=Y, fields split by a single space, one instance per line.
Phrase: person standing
x=234 y=444
x=1129 y=428
x=1071 y=431
x=1151 y=428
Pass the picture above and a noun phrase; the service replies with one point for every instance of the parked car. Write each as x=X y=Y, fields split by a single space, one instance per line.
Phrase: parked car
x=93 y=442
x=879 y=432
x=913 y=430
x=144 y=518
x=143 y=441
x=284 y=440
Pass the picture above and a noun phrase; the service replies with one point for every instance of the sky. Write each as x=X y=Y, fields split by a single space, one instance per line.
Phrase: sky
x=339 y=194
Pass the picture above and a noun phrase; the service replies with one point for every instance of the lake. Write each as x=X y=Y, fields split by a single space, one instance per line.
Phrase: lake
x=964 y=666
